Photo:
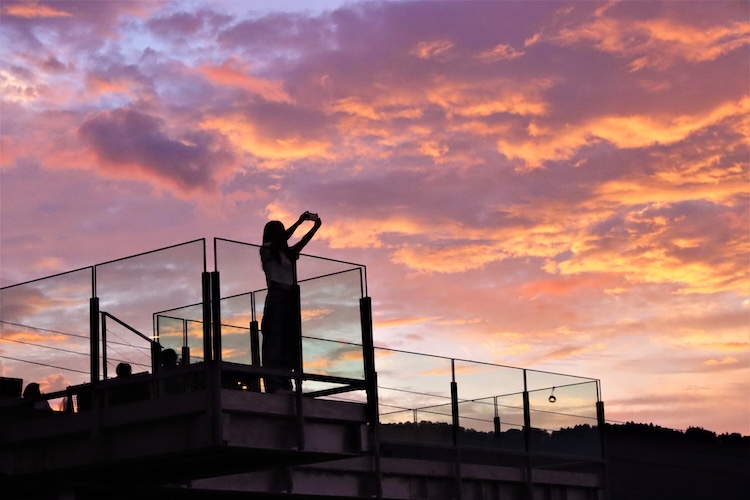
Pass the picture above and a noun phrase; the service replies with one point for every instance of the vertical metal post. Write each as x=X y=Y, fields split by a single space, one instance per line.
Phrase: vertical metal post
x=255 y=354
x=456 y=423
x=527 y=437
x=298 y=366
x=454 y=402
x=104 y=346
x=206 y=283
x=155 y=357
x=368 y=355
x=496 y=424
x=185 y=346
x=216 y=315
x=94 y=338
x=371 y=389
x=601 y=423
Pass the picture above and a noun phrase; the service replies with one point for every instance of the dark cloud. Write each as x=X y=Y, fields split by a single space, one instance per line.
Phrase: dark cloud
x=126 y=138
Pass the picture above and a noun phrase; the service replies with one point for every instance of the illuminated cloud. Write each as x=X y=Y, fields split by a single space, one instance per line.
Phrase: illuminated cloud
x=432 y=49
x=233 y=73
x=657 y=43
x=32 y=10
x=725 y=361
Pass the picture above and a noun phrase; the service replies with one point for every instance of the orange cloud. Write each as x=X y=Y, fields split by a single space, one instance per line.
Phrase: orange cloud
x=310 y=314
x=563 y=285
x=481 y=100
x=233 y=73
x=657 y=43
x=31 y=10
x=31 y=337
x=725 y=361
x=431 y=49
x=567 y=352
x=501 y=52
x=274 y=152
x=454 y=259
x=545 y=143
x=404 y=321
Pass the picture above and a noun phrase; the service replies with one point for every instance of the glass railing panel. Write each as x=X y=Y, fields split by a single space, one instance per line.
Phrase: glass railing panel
x=237 y=310
x=331 y=358
x=398 y=424
x=191 y=323
x=312 y=267
x=511 y=422
x=239 y=267
x=477 y=423
x=564 y=421
x=44 y=330
x=170 y=332
x=411 y=381
x=123 y=346
x=435 y=425
x=482 y=380
x=330 y=307
x=495 y=422
x=432 y=425
x=235 y=344
x=195 y=341
x=135 y=288
x=539 y=380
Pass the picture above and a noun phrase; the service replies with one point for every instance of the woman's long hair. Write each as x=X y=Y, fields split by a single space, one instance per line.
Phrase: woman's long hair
x=273 y=233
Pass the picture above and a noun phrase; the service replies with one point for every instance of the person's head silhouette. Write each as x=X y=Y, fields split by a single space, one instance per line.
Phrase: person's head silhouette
x=123 y=370
x=168 y=358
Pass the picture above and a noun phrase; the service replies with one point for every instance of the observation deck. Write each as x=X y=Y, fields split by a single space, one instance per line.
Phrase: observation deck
x=363 y=421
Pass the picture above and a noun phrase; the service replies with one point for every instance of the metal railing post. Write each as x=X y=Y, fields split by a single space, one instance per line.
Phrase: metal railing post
x=185 y=344
x=255 y=354
x=206 y=288
x=104 y=345
x=298 y=366
x=94 y=338
x=496 y=424
x=216 y=315
x=371 y=389
x=456 y=423
x=527 y=437
x=368 y=355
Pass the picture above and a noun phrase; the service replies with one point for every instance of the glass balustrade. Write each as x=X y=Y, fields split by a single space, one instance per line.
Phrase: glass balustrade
x=158 y=297
x=44 y=330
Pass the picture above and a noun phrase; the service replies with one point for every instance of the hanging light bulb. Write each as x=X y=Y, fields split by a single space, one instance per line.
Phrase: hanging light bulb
x=552 y=397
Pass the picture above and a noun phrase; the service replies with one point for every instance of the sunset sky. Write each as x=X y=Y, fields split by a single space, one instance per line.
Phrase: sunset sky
x=557 y=185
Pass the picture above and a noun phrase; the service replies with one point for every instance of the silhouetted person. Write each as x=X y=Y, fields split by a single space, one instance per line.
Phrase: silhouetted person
x=169 y=358
x=280 y=323
x=176 y=383
x=123 y=370
x=33 y=395
x=127 y=390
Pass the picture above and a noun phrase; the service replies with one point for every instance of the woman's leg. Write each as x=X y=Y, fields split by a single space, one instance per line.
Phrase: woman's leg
x=273 y=326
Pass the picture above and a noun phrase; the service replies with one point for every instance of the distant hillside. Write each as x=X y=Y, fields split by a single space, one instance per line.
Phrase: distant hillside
x=645 y=462
x=649 y=462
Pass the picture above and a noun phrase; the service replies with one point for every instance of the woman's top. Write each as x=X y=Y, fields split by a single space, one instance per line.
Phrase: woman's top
x=278 y=271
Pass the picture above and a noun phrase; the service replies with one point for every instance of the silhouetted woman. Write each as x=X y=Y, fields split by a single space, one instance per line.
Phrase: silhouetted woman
x=281 y=313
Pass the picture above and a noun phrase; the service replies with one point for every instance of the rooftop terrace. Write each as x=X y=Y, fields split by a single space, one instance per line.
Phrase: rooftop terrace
x=355 y=401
